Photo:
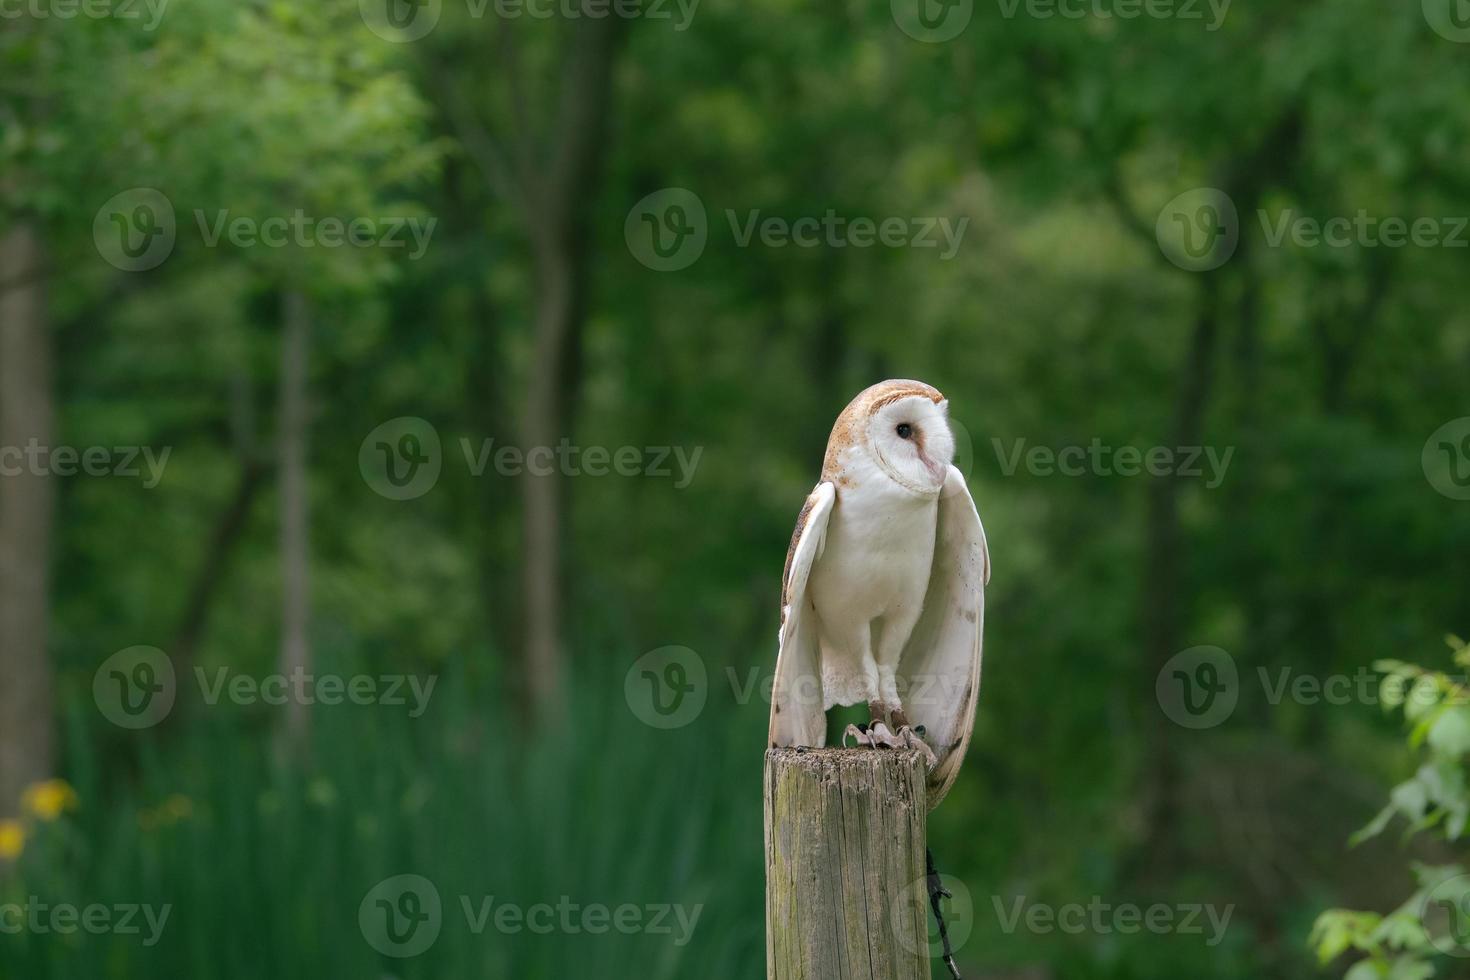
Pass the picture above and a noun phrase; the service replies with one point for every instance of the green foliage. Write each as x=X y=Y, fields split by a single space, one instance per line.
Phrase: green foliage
x=1404 y=944
x=264 y=866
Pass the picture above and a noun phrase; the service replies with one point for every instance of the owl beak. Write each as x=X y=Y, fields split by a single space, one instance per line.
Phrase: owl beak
x=935 y=469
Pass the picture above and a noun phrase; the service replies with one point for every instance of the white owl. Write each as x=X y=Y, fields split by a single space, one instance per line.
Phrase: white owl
x=883 y=597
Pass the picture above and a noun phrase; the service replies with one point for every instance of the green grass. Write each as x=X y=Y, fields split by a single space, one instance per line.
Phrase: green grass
x=266 y=874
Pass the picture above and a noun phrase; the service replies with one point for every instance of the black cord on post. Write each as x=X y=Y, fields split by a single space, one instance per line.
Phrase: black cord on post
x=937 y=892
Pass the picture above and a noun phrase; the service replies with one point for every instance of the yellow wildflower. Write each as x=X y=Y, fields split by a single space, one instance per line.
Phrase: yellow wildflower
x=49 y=799
x=12 y=839
x=175 y=808
x=178 y=807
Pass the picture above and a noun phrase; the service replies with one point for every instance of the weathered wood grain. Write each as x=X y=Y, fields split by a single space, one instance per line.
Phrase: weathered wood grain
x=845 y=865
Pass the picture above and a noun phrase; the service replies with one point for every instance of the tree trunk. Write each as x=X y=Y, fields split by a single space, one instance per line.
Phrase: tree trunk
x=229 y=528
x=541 y=494
x=1164 y=593
x=27 y=505
x=560 y=235
x=295 y=507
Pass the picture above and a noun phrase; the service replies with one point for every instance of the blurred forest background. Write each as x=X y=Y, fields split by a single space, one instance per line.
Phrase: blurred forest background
x=534 y=314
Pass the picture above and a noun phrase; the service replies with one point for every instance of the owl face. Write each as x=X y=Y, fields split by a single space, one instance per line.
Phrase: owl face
x=910 y=440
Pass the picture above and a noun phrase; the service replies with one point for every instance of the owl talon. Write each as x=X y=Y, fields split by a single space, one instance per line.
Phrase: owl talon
x=908 y=738
x=884 y=738
x=859 y=734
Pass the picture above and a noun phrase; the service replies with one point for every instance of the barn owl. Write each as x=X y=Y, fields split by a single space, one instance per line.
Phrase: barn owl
x=883 y=596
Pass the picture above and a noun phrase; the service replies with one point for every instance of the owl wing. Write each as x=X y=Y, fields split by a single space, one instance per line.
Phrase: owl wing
x=797 y=715
x=939 y=671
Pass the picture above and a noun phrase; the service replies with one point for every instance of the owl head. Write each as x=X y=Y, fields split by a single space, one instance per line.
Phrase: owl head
x=900 y=427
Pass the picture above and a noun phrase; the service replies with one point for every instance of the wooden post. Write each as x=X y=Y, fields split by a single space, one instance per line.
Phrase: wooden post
x=845 y=895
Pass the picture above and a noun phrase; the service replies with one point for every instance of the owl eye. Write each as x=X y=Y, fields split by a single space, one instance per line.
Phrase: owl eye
x=904 y=430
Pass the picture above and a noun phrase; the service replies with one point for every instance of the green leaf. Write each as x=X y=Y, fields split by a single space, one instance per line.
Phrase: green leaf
x=1410 y=968
x=1450 y=733
x=1366 y=970
x=1410 y=799
x=1374 y=827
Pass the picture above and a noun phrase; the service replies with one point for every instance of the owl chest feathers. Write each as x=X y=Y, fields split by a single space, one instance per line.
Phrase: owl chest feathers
x=878 y=554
